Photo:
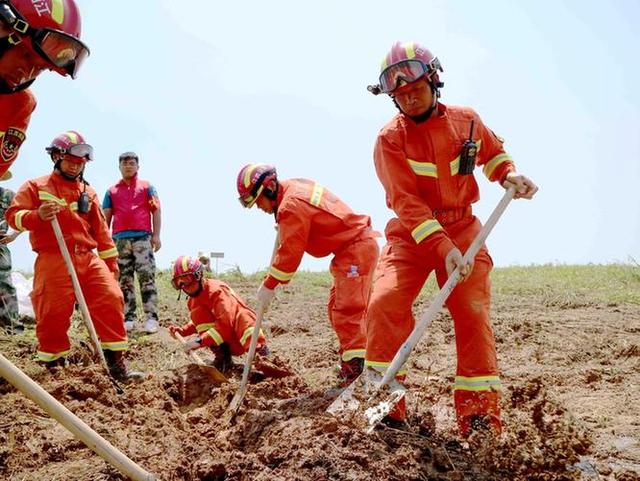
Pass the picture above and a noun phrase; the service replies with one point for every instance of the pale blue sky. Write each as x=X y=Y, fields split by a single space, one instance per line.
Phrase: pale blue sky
x=199 y=88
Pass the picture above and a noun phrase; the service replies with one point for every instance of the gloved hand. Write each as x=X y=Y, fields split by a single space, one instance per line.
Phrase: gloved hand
x=454 y=259
x=193 y=344
x=265 y=296
x=173 y=330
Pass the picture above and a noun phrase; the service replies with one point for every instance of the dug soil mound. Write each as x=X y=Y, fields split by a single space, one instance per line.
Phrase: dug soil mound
x=570 y=405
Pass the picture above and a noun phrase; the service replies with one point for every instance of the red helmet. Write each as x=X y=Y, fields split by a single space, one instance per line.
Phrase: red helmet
x=407 y=62
x=53 y=27
x=186 y=266
x=72 y=143
x=251 y=181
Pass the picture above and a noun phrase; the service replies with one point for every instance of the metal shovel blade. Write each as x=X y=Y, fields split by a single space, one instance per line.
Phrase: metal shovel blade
x=378 y=411
x=347 y=401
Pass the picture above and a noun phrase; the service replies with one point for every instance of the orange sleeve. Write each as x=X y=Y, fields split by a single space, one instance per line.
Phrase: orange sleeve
x=22 y=214
x=294 y=224
x=403 y=197
x=496 y=162
x=106 y=247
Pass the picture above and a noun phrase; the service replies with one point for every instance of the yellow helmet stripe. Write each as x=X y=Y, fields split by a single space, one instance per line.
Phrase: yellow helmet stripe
x=185 y=263
x=57 y=11
x=72 y=136
x=408 y=48
x=247 y=174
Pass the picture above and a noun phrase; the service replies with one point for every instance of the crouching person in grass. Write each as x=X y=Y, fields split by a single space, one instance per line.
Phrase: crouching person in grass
x=221 y=319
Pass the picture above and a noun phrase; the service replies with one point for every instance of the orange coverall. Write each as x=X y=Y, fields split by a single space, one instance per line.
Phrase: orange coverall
x=312 y=219
x=219 y=315
x=53 y=295
x=417 y=164
x=15 y=112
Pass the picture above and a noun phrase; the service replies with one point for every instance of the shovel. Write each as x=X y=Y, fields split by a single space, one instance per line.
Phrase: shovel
x=236 y=402
x=371 y=379
x=211 y=371
x=82 y=302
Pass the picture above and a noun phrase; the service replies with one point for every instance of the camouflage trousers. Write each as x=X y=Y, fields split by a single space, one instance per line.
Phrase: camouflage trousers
x=8 y=299
x=136 y=257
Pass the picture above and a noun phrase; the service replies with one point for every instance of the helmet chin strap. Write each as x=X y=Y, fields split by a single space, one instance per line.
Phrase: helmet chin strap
x=65 y=175
x=197 y=293
x=435 y=94
x=5 y=45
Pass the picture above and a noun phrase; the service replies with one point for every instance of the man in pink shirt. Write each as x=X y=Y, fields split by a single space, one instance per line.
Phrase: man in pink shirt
x=134 y=206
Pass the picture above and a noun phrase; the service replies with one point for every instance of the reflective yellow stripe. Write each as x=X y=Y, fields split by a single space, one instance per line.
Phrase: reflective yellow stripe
x=247 y=174
x=18 y=219
x=46 y=196
x=248 y=332
x=408 y=48
x=73 y=206
x=115 y=346
x=495 y=162
x=352 y=354
x=454 y=166
x=478 y=383
x=425 y=169
x=383 y=366
x=204 y=327
x=215 y=335
x=185 y=263
x=108 y=253
x=425 y=229
x=51 y=356
x=280 y=275
x=57 y=12
x=316 y=195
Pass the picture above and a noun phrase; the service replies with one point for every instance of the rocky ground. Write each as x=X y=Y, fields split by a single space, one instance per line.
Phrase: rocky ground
x=570 y=371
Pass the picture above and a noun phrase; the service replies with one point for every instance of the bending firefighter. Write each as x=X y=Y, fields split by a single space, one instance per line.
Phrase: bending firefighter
x=34 y=36
x=312 y=219
x=220 y=318
x=425 y=158
x=66 y=195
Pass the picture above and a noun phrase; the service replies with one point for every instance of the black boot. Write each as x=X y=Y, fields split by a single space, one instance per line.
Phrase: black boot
x=52 y=365
x=118 y=367
x=222 y=361
x=350 y=370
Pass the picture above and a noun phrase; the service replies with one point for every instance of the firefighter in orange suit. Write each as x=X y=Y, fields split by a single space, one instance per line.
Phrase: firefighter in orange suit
x=66 y=195
x=219 y=316
x=34 y=36
x=312 y=219
x=425 y=158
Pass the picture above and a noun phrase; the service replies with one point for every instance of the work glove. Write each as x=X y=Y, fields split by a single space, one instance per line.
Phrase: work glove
x=454 y=259
x=173 y=330
x=193 y=344
x=265 y=296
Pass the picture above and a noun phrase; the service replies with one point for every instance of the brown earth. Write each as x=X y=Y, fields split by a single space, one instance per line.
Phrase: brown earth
x=570 y=370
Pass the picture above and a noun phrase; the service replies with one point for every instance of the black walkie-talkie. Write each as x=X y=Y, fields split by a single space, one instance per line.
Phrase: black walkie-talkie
x=468 y=155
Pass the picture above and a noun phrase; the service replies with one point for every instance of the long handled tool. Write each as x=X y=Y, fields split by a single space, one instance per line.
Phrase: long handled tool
x=86 y=316
x=78 y=428
x=211 y=371
x=375 y=414
x=236 y=402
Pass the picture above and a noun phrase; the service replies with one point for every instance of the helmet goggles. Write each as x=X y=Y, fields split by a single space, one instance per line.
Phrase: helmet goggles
x=184 y=280
x=65 y=52
x=83 y=151
x=406 y=71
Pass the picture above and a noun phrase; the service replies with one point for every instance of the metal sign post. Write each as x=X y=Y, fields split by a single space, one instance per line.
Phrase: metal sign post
x=216 y=256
